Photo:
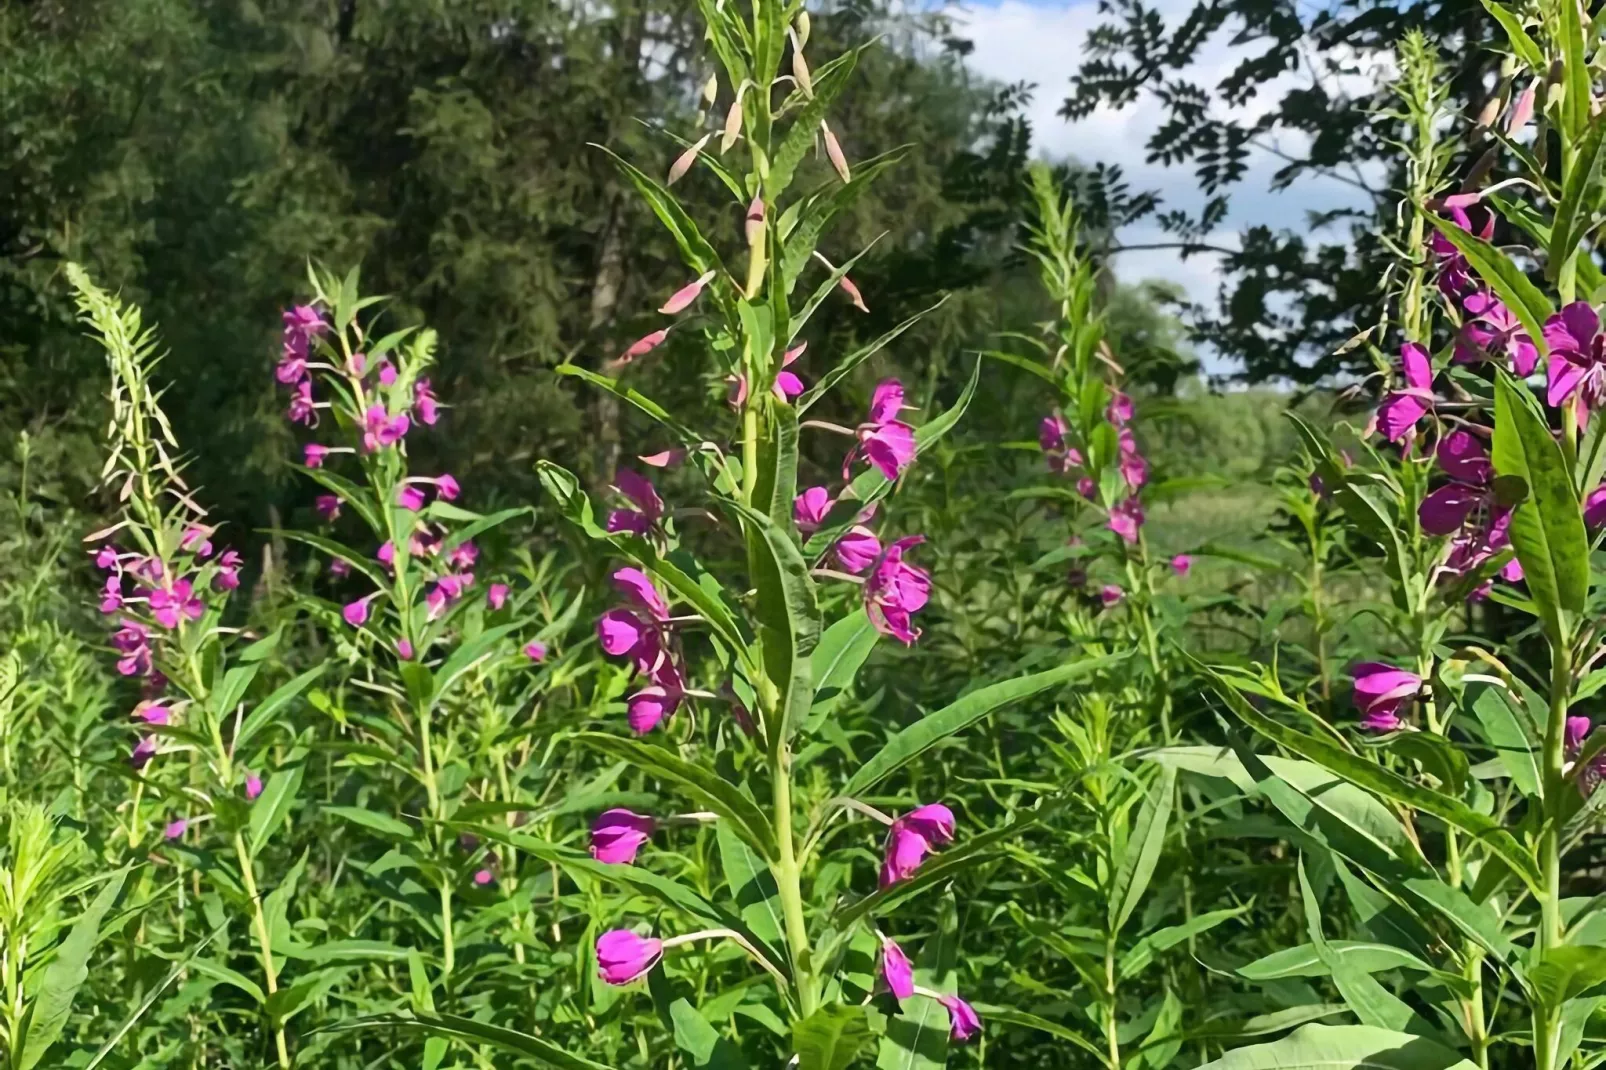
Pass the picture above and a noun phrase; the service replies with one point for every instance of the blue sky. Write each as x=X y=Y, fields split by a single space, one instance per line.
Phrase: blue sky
x=1041 y=41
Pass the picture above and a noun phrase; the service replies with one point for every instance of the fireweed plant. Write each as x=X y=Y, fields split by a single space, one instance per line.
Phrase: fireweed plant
x=736 y=668
x=1445 y=811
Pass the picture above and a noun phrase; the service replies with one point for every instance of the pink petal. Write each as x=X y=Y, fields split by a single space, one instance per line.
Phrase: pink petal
x=683 y=297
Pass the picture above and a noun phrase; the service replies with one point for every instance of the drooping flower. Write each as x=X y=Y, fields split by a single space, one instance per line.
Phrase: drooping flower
x=144 y=751
x=649 y=507
x=644 y=345
x=314 y=454
x=463 y=555
x=1181 y=564
x=896 y=970
x=111 y=599
x=380 y=429
x=886 y=401
x=404 y=649
x=356 y=613
x=1381 y=691
x=227 y=577
x=302 y=409
x=1455 y=275
x=682 y=298
x=1397 y=416
x=132 y=640
x=912 y=837
x=1577 y=358
x=340 y=567
x=963 y=1022
x=649 y=707
x=884 y=440
x=896 y=589
x=153 y=712
x=1126 y=518
x=1119 y=411
x=616 y=835
x=1464 y=459
x=1111 y=594
x=176 y=828
x=1134 y=470
x=327 y=506
x=387 y=373
x=810 y=508
x=535 y=650
x=635 y=585
x=197 y=540
x=410 y=498
x=857 y=549
x=1492 y=330
x=622 y=956
x=425 y=403
x=170 y=604
x=484 y=877
x=787 y=384
x=496 y=595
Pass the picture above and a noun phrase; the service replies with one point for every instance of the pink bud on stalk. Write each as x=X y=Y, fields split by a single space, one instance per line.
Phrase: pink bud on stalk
x=253 y=787
x=682 y=298
x=833 y=152
x=753 y=226
x=896 y=970
x=800 y=66
x=644 y=345
x=616 y=836
x=683 y=162
x=622 y=956
x=733 y=122
x=1524 y=109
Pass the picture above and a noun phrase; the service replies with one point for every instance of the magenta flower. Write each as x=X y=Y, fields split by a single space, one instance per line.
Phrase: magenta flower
x=302 y=410
x=1577 y=358
x=253 y=787
x=404 y=649
x=1181 y=564
x=176 y=828
x=196 y=541
x=410 y=498
x=809 y=509
x=1455 y=276
x=896 y=589
x=111 y=599
x=620 y=631
x=380 y=429
x=1111 y=594
x=912 y=837
x=169 y=605
x=356 y=613
x=496 y=595
x=1464 y=459
x=1119 y=411
x=1397 y=416
x=636 y=586
x=340 y=567
x=788 y=385
x=463 y=555
x=387 y=373
x=847 y=284
x=1493 y=330
x=152 y=712
x=1590 y=777
x=1577 y=730
x=963 y=1022
x=884 y=441
x=425 y=403
x=327 y=506
x=682 y=298
x=386 y=555
x=896 y=970
x=1126 y=518
x=144 y=751
x=535 y=650
x=1595 y=507
x=132 y=640
x=622 y=956
x=649 y=507
x=314 y=455
x=857 y=549
x=1060 y=454
x=1134 y=470
x=106 y=557
x=1380 y=693
x=648 y=708
x=616 y=836
x=484 y=877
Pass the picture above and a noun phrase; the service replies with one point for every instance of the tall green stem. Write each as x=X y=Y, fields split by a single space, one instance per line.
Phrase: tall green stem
x=1547 y=1019
x=788 y=881
x=427 y=749
x=259 y=922
x=1112 y=1036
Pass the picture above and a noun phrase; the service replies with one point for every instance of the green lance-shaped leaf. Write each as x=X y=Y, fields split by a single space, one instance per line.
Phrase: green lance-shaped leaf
x=777 y=468
x=1577 y=89
x=818 y=209
x=751 y=884
x=694 y=248
x=1344 y=1047
x=936 y=727
x=1507 y=280
x=1565 y=973
x=1505 y=726
x=466 y=657
x=269 y=708
x=337 y=550
x=1142 y=953
x=272 y=808
x=1375 y=778
x=1372 y=1003
x=704 y=1047
x=1142 y=851
x=1303 y=961
x=841 y=653
x=228 y=694
x=359 y=499
x=991 y=1012
x=696 y=782
x=859 y=356
x=788 y=616
x=728 y=36
x=642 y=402
x=1579 y=197
x=543 y=1052
x=1547 y=526
x=1525 y=47
x=65 y=975
x=831 y=1038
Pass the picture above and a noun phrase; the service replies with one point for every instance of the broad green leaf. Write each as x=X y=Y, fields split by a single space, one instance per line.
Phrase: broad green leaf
x=1165 y=1038
x=932 y=729
x=1565 y=973
x=65 y=975
x=1579 y=197
x=686 y=435
x=383 y=824
x=830 y=1038
x=362 y=564
x=1142 y=849
x=695 y=781
x=1507 y=280
x=349 y=493
x=449 y=1025
x=843 y=649
x=1344 y=1047
x=1373 y=1004
x=1142 y=953
x=151 y=996
x=1477 y=920
x=1577 y=88
x=217 y=971
x=788 y=616
x=272 y=807
x=1524 y=46
x=705 y=1049
x=1547 y=527
x=683 y=575
x=751 y=884
x=1506 y=728
x=229 y=693
x=1384 y=782
x=991 y=1012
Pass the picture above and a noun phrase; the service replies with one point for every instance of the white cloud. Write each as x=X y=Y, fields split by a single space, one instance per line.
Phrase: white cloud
x=1042 y=43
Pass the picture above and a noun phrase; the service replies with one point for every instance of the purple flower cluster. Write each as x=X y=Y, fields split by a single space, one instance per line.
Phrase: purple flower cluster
x=642 y=632
x=1053 y=437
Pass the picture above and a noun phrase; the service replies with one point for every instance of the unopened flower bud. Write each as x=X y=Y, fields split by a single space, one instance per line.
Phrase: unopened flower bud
x=754 y=224
x=1523 y=111
x=1490 y=112
x=833 y=150
x=683 y=162
x=802 y=28
x=733 y=122
x=711 y=89
x=800 y=67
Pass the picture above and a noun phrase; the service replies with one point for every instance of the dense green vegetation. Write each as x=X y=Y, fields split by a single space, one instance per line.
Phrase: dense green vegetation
x=650 y=536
